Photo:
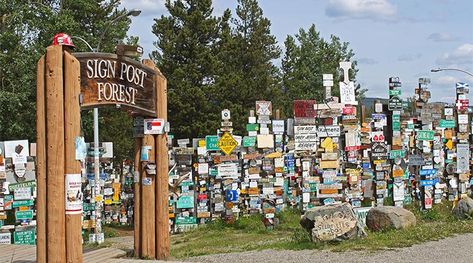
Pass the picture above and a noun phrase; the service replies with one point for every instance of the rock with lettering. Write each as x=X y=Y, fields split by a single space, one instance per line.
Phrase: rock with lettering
x=464 y=208
x=335 y=222
x=389 y=217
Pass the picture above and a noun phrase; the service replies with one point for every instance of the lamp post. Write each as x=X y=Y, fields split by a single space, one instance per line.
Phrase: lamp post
x=453 y=69
x=96 y=189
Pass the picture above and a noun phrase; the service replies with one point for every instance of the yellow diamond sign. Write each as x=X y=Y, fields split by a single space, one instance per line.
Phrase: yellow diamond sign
x=227 y=143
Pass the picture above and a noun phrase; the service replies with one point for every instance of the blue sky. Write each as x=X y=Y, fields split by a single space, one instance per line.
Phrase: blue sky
x=404 y=38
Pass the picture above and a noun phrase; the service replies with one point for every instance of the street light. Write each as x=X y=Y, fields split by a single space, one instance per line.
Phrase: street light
x=454 y=69
x=132 y=12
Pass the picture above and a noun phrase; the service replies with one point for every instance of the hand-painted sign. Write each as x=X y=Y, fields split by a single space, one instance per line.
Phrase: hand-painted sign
x=108 y=79
x=328 y=130
x=304 y=109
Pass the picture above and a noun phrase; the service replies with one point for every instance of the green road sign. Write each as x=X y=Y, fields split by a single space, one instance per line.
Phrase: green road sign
x=211 y=142
x=24 y=237
x=395 y=92
x=22 y=203
x=185 y=220
x=425 y=135
x=396 y=126
x=28 y=214
x=249 y=141
x=447 y=123
x=252 y=127
x=397 y=153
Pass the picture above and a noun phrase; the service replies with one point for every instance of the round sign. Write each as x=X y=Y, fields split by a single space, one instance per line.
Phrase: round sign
x=450 y=168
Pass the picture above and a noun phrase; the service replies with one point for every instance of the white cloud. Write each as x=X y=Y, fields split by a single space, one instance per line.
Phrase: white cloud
x=441 y=37
x=361 y=9
x=462 y=55
x=409 y=57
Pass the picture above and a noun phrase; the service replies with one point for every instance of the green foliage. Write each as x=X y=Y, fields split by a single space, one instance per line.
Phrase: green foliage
x=26 y=29
x=306 y=58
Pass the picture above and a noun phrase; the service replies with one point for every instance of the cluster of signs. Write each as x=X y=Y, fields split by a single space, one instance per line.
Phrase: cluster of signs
x=326 y=155
x=17 y=192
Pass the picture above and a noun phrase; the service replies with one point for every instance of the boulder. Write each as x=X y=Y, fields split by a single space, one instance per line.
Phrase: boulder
x=464 y=208
x=389 y=217
x=332 y=223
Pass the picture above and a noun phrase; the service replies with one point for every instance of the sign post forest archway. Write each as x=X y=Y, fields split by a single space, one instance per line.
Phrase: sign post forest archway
x=67 y=82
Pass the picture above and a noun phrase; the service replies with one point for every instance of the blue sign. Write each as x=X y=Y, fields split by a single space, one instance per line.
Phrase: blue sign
x=365 y=165
x=426 y=182
x=378 y=116
x=428 y=171
x=231 y=196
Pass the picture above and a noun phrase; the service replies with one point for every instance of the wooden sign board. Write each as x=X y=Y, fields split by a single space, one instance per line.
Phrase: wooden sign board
x=108 y=79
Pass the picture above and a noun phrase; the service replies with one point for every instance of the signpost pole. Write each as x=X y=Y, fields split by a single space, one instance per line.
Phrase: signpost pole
x=137 y=199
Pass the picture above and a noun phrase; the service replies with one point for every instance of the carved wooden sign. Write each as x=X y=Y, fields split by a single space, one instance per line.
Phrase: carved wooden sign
x=108 y=79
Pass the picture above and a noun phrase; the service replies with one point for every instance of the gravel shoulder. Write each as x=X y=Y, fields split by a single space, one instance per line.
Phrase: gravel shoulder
x=453 y=249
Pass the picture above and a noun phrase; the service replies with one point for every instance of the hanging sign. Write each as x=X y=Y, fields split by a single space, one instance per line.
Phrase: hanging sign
x=108 y=79
x=154 y=126
x=73 y=194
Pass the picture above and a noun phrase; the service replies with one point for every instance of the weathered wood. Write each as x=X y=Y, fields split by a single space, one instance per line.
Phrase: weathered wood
x=56 y=246
x=148 y=241
x=137 y=199
x=162 y=164
x=72 y=166
x=108 y=79
x=41 y=163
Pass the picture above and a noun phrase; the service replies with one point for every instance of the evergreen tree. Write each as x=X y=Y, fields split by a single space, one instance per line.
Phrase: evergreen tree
x=186 y=41
x=26 y=29
x=308 y=56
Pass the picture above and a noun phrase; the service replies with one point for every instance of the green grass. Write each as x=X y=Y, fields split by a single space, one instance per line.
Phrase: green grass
x=249 y=233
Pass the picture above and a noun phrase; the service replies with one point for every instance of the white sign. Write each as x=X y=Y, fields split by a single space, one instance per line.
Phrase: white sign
x=154 y=126
x=463 y=119
x=17 y=150
x=203 y=168
x=448 y=111
x=328 y=131
x=347 y=93
x=398 y=191
x=278 y=126
x=228 y=170
x=5 y=238
x=23 y=193
x=305 y=129
x=463 y=158
x=306 y=146
x=225 y=114
x=73 y=194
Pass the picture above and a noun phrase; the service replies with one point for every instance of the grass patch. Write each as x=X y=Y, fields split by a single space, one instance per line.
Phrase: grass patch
x=249 y=233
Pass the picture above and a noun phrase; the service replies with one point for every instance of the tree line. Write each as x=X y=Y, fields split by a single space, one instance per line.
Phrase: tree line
x=212 y=62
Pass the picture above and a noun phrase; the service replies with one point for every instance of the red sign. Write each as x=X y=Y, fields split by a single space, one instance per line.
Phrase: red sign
x=349 y=110
x=352 y=148
x=462 y=104
x=304 y=109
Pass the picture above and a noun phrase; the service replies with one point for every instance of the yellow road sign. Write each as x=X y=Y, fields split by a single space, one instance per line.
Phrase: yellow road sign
x=227 y=143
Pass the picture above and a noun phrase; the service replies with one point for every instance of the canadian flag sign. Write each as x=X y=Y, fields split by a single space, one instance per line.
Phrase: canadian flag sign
x=154 y=126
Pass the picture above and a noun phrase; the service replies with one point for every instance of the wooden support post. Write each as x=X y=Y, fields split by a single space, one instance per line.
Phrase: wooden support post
x=72 y=166
x=56 y=238
x=41 y=163
x=148 y=241
x=162 y=182
x=137 y=199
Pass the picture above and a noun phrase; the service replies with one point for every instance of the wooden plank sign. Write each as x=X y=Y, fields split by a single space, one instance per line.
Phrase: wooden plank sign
x=108 y=79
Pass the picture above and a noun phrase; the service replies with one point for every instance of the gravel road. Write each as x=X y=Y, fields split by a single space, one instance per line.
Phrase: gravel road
x=452 y=250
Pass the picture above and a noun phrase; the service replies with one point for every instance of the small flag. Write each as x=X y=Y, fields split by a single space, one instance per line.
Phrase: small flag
x=154 y=126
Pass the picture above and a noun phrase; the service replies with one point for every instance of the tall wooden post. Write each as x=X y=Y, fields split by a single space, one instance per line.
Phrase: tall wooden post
x=162 y=176
x=56 y=245
x=147 y=202
x=57 y=124
x=72 y=166
x=41 y=163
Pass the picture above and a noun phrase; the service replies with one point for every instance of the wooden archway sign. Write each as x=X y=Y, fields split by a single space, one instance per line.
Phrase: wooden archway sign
x=59 y=84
